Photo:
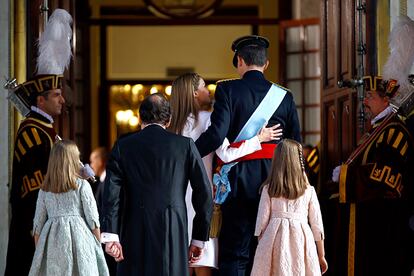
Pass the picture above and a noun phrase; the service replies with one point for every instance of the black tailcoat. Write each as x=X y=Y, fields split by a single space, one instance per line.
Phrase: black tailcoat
x=150 y=170
x=235 y=102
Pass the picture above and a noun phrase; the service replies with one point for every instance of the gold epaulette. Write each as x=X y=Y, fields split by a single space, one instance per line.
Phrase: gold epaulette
x=227 y=80
x=285 y=88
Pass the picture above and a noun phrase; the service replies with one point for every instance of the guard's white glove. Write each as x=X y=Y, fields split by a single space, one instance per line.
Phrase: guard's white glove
x=335 y=173
x=86 y=172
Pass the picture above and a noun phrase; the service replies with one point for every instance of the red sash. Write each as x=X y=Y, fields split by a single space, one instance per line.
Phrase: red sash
x=265 y=153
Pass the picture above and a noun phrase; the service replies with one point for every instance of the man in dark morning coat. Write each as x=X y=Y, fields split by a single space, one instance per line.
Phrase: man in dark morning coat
x=150 y=171
x=236 y=100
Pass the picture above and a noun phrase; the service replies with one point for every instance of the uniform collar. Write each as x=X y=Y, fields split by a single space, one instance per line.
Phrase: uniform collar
x=381 y=115
x=41 y=112
x=253 y=74
x=152 y=124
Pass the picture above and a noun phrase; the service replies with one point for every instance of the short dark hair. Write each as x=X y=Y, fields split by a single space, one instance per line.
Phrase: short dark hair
x=253 y=55
x=155 y=109
x=33 y=97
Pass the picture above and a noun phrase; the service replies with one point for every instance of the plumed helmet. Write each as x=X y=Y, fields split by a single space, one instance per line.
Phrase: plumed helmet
x=54 y=55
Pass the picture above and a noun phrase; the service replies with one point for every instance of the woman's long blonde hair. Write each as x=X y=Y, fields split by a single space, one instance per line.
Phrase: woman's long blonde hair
x=287 y=176
x=182 y=101
x=63 y=168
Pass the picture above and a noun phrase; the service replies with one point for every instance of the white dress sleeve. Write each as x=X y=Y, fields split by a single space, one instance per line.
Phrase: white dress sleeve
x=315 y=217
x=40 y=214
x=228 y=154
x=224 y=152
x=89 y=205
x=263 y=213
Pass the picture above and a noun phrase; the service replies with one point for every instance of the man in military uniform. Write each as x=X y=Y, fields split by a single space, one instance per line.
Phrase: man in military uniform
x=373 y=187
x=40 y=100
x=34 y=140
x=236 y=101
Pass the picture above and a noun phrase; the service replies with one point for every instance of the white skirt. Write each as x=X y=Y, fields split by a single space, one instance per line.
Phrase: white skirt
x=209 y=257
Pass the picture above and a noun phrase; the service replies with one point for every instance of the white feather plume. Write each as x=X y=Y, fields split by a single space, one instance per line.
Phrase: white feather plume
x=401 y=58
x=54 y=44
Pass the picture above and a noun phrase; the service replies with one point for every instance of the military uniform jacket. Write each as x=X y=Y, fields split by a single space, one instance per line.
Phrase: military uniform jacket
x=379 y=171
x=375 y=188
x=150 y=171
x=236 y=100
x=34 y=140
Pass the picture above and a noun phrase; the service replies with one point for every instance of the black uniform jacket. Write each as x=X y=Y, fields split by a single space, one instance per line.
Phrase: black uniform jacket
x=34 y=140
x=377 y=189
x=150 y=171
x=235 y=102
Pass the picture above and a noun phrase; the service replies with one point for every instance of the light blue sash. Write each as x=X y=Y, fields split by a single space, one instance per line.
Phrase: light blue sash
x=259 y=118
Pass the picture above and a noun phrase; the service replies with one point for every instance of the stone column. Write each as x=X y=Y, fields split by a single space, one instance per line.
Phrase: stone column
x=5 y=128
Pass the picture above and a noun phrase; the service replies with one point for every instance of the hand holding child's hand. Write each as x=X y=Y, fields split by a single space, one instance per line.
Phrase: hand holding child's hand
x=114 y=249
x=86 y=172
x=324 y=264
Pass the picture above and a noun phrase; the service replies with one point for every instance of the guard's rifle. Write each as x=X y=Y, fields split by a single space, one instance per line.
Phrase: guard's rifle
x=17 y=96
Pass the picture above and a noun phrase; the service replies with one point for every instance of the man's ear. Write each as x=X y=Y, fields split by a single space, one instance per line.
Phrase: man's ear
x=240 y=61
x=40 y=101
x=167 y=125
x=266 y=65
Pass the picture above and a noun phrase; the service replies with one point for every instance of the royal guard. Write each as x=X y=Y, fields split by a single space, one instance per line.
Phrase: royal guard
x=40 y=100
x=375 y=184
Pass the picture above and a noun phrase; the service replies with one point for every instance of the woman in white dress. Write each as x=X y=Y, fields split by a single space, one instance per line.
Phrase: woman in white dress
x=189 y=101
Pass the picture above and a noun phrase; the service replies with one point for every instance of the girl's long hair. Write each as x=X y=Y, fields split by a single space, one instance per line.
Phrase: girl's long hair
x=63 y=168
x=287 y=177
x=182 y=101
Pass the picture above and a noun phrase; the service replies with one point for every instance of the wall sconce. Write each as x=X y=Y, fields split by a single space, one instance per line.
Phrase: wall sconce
x=168 y=90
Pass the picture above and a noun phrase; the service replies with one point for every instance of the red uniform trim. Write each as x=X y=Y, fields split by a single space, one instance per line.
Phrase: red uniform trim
x=265 y=153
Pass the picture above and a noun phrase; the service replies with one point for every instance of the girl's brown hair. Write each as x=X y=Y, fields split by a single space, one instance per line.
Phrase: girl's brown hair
x=287 y=176
x=182 y=101
x=63 y=168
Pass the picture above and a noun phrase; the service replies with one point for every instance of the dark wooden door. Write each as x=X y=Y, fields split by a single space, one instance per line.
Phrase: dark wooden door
x=338 y=123
x=339 y=105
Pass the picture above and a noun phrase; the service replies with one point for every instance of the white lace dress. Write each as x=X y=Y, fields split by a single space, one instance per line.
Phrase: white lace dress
x=288 y=231
x=66 y=244
x=210 y=253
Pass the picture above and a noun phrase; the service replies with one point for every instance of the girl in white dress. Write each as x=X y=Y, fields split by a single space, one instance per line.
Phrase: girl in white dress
x=189 y=101
x=289 y=220
x=66 y=223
